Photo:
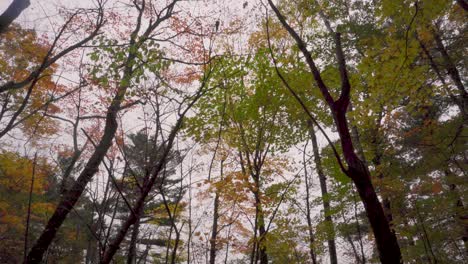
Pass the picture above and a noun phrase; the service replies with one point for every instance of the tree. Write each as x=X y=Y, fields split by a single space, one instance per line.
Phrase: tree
x=357 y=170
x=140 y=154
x=72 y=196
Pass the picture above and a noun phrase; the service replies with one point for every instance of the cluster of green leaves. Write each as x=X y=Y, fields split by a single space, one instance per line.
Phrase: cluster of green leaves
x=109 y=56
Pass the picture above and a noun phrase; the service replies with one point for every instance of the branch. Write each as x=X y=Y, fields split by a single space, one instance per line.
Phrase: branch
x=48 y=61
x=299 y=100
x=303 y=48
x=12 y=12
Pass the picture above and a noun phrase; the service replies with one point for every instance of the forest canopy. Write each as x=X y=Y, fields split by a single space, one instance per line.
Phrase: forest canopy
x=263 y=131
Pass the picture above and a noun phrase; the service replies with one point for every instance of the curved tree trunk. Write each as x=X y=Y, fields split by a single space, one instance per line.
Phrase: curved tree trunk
x=386 y=240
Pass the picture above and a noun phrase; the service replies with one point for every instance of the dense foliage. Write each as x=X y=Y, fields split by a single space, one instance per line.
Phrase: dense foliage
x=306 y=131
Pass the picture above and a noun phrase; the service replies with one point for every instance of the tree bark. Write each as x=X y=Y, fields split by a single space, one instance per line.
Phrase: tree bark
x=325 y=199
x=12 y=12
x=28 y=216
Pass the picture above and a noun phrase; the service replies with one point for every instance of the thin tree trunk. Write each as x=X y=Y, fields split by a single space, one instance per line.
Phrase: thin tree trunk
x=459 y=212
x=28 y=216
x=458 y=101
x=325 y=198
x=261 y=248
x=189 y=239
x=214 y=231
x=310 y=228
x=425 y=236
x=226 y=256
x=308 y=216
x=358 y=229
x=168 y=245
x=71 y=196
x=350 y=241
x=176 y=246
x=253 y=254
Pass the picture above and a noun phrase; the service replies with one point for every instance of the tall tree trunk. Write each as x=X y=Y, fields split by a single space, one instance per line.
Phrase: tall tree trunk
x=92 y=255
x=386 y=241
x=350 y=241
x=358 y=229
x=28 y=216
x=325 y=199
